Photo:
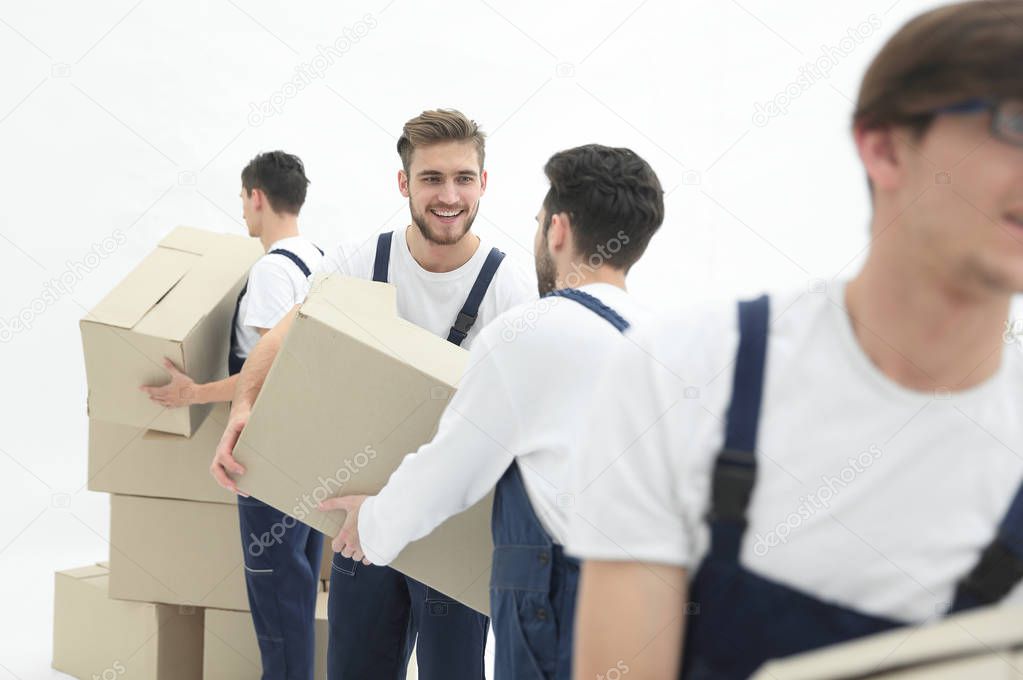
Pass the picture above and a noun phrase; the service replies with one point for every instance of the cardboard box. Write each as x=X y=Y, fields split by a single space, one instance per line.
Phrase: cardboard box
x=352 y=391
x=176 y=552
x=96 y=637
x=177 y=303
x=230 y=649
x=986 y=643
x=129 y=460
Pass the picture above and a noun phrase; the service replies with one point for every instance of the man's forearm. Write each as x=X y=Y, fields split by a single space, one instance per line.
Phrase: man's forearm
x=250 y=381
x=214 y=392
x=258 y=363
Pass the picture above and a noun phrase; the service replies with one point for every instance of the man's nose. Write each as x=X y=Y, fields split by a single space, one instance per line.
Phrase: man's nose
x=448 y=193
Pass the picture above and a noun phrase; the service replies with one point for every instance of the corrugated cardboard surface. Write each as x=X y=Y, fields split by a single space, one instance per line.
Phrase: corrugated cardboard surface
x=353 y=390
x=94 y=636
x=176 y=552
x=177 y=303
x=982 y=644
x=131 y=460
x=230 y=649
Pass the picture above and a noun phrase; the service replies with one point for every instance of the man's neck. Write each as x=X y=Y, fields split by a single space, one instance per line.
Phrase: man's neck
x=278 y=227
x=582 y=275
x=925 y=329
x=440 y=258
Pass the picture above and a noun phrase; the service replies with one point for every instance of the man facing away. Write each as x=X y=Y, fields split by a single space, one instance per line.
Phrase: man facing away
x=862 y=468
x=281 y=576
x=451 y=283
x=522 y=407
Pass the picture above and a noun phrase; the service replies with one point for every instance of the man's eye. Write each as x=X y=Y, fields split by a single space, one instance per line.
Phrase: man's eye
x=466 y=179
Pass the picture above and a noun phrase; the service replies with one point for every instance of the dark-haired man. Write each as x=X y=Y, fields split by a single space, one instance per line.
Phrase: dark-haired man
x=451 y=283
x=282 y=556
x=863 y=468
x=522 y=407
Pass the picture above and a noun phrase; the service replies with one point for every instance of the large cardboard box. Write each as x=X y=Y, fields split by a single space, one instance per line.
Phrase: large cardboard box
x=352 y=391
x=177 y=303
x=96 y=637
x=176 y=552
x=987 y=644
x=124 y=459
x=230 y=649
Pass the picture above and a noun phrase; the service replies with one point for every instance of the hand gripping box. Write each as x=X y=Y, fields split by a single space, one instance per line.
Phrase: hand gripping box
x=177 y=303
x=353 y=390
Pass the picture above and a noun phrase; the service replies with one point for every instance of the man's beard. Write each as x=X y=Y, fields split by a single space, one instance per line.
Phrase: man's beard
x=441 y=239
x=546 y=272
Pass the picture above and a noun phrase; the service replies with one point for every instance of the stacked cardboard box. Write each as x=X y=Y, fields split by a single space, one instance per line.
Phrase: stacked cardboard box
x=175 y=543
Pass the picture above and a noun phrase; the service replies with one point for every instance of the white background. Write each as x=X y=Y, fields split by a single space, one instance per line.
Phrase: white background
x=138 y=116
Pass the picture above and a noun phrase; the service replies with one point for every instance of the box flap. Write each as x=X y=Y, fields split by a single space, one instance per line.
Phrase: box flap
x=143 y=288
x=370 y=315
x=222 y=269
x=190 y=240
x=91 y=571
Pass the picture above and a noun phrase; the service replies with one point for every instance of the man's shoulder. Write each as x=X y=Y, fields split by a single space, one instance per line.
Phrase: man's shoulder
x=351 y=258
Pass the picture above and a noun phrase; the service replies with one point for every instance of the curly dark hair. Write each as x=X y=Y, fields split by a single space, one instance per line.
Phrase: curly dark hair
x=611 y=196
x=279 y=175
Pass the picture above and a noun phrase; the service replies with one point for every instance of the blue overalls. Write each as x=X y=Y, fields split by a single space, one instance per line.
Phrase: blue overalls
x=741 y=619
x=532 y=582
x=282 y=566
x=376 y=613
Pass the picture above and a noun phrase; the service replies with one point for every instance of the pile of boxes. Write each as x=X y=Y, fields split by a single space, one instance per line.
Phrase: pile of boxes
x=171 y=603
x=176 y=574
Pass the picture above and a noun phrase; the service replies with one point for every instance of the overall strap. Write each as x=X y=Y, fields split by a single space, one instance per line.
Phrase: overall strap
x=295 y=258
x=594 y=305
x=735 y=469
x=383 y=257
x=467 y=317
x=1000 y=567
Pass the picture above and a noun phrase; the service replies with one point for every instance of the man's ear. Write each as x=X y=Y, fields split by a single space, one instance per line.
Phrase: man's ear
x=483 y=182
x=559 y=234
x=879 y=151
x=403 y=183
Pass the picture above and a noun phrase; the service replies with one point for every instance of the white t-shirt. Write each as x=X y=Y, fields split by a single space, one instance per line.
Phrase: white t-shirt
x=432 y=300
x=867 y=494
x=276 y=284
x=529 y=378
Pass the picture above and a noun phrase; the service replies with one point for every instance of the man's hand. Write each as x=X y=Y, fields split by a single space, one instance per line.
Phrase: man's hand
x=180 y=391
x=347 y=540
x=224 y=464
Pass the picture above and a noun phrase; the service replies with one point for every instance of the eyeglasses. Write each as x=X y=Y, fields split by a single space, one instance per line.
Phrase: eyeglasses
x=1006 y=117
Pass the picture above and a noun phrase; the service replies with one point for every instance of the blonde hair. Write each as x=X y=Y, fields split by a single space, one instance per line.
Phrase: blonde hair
x=439 y=125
